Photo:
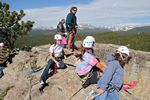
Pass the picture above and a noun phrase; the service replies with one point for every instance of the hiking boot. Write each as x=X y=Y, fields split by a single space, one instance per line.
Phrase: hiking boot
x=43 y=85
x=42 y=82
x=41 y=89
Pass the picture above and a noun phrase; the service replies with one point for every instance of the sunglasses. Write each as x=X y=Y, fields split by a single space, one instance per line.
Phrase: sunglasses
x=74 y=10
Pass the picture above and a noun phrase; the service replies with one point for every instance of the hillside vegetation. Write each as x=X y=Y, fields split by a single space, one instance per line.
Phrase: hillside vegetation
x=135 y=41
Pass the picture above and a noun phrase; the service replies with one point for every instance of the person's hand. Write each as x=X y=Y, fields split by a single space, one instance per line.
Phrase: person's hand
x=65 y=57
x=92 y=95
x=76 y=26
x=57 y=64
x=78 y=53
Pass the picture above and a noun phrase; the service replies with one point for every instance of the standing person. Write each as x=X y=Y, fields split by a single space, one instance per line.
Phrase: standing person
x=61 y=31
x=71 y=26
x=60 y=27
x=111 y=82
x=4 y=55
x=56 y=54
x=1 y=61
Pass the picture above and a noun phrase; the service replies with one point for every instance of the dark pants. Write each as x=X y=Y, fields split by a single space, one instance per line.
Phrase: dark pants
x=1 y=71
x=50 y=65
x=92 y=80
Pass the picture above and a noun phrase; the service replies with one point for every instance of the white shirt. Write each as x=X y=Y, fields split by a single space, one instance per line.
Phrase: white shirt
x=56 y=50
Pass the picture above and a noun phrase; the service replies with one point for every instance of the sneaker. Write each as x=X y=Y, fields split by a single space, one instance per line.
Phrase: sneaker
x=42 y=83
x=41 y=89
x=92 y=95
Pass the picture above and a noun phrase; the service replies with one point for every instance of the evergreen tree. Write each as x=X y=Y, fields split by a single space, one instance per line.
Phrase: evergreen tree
x=11 y=25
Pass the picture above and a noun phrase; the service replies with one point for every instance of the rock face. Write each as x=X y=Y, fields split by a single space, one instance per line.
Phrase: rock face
x=65 y=83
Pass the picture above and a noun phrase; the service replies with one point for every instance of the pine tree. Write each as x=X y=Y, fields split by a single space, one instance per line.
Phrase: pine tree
x=11 y=25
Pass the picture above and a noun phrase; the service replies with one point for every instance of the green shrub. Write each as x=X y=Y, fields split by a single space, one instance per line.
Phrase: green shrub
x=134 y=41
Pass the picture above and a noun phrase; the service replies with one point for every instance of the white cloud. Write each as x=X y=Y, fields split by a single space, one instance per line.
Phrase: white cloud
x=98 y=13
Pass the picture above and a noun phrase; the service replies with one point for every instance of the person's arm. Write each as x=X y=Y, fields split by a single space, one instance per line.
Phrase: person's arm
x=100 y=91
x=106 y=78
x=65 y=57
x=69 y=20
x=79 y=52
x=53 y=59
x=101 y=65
x=76 y=25
x=51 y=53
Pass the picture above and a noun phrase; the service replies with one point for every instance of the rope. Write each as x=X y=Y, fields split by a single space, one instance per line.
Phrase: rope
x=135 y=98
x=75 y=93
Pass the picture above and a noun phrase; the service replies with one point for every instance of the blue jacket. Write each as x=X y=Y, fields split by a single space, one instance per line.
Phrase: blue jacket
x=113 y=74
x=71 y=21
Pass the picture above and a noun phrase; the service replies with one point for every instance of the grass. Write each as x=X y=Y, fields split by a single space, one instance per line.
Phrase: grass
x=134 y=41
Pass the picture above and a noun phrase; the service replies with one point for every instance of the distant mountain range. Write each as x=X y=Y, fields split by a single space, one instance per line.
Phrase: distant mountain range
x=37 y=32
x=92 y=29
x=139 y=29
x=116 y=28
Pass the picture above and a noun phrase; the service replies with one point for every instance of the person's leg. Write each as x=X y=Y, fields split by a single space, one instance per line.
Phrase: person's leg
x=62 y=64
x=73 y=40
x=63 y=45
x=70 y=40
x=44 y=75
x=73 y=43
x=1 y=71
x=92 y=80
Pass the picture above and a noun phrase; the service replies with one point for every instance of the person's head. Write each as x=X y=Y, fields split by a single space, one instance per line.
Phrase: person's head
x=62 y=21
x=1 y=44
x=66 y=33
x=122 y=54
x=57 y=39
x=73 y=10
x=92 y=38
x=87 y=43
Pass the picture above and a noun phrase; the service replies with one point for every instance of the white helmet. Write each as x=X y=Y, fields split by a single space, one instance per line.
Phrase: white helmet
x=87 y=43
x=66 y=33
x=91 y=37
x=1 y=44
x=123 y=49
x=58 y=37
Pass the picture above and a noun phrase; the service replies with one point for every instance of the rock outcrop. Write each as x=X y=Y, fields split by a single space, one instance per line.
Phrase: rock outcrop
x=62 y=85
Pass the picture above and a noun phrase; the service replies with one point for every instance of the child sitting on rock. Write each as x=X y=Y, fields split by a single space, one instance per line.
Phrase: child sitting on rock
x=89 y=67
x=56 y=55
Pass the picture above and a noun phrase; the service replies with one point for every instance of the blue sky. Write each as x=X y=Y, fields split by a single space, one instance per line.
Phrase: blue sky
x=30 y=4
x=47 y=13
